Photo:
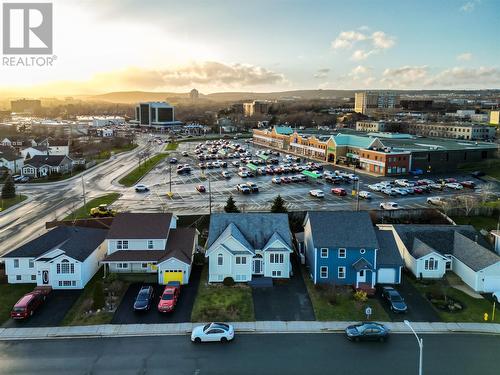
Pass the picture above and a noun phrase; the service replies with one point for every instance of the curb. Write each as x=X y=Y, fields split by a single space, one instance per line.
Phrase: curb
x=16 y=206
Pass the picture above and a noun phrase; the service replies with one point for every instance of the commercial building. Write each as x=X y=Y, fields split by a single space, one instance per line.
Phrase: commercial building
x=416 y=104
x=371 y=102
x=451 y=130
x=382 y=154
x=155 y=114
x=376 y=126
x=25 y=106
x=495 y=118
x=257 y=107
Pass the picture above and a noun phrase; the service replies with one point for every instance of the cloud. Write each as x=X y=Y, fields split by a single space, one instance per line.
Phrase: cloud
x=321 y=73
x=466 y=56
x=359 y=70
x=405 y=76
x=347 y=38
x=368 y=44
x=360 y=54
x=382 y=40
x=469 y=6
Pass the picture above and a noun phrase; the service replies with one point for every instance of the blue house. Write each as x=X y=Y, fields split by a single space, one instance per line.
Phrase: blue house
x=342 y=247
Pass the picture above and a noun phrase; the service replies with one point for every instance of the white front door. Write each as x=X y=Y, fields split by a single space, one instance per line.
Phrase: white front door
x=361 y=277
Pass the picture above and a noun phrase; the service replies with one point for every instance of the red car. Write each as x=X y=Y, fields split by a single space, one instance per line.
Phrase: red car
x=468 y=184
x=201 y=188
x=27 y=305
x=339 y=191
x=418 y=190
x=168 y=299
x=450 y=180
x=286 y=180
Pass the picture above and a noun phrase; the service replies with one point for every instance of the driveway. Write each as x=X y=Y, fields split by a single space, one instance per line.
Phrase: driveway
x=51 y=313
x=419 y=308
x=286 y=300
x=125 y=313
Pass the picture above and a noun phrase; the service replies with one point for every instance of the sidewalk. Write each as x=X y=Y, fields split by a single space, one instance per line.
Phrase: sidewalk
x=128 y=330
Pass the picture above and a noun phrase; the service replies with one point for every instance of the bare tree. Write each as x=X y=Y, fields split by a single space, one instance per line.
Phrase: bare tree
x=469 y=203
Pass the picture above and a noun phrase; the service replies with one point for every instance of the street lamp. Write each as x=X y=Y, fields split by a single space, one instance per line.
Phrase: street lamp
x=420 y=346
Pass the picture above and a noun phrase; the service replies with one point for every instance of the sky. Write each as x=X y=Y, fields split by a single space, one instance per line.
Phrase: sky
x=271 y=45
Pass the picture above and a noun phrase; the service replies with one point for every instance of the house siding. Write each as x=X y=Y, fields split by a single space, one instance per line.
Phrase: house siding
x=23 y=270
x=431 y=274
x=91 y=264
x=217 y=273
x=142 y=244
x=174 y=264
x=467 y=275
x=283 y=268
x=488 y=276
x=309 y=250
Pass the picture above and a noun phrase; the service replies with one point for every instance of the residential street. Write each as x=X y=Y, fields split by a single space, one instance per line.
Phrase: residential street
x=253 y=354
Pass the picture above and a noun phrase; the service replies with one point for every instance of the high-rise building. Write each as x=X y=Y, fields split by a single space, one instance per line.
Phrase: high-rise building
x=369 y=102
x=257 y=107
x=155 y=114
x=25 y=105
x=495 y=118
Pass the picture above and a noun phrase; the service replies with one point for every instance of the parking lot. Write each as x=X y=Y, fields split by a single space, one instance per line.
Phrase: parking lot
x=182 y=313
x=51 y=313
x=296 y=194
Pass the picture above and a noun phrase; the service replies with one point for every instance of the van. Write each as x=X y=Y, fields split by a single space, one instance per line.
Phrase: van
x=26 y=306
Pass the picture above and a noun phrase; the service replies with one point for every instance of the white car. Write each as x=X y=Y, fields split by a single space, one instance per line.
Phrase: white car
x=226 y=174
x=389 y=206
x=365 y=194
x=401 y=191
x=221 y=332
x=141 y=188
x=317 y=193
x=242 y=174
x=276 y=180
x=401 y=182
x=454 y=185
x=375 y=187
x=437 y=201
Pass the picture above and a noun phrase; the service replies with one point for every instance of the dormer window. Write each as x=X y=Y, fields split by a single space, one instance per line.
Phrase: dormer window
x=150 y=244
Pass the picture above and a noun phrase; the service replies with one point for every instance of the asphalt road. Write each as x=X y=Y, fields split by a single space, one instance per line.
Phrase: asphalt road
x=452 y=354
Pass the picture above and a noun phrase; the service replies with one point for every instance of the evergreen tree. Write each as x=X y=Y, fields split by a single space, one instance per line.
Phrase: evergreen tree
x=9 y=189
x=278 y=206
x=230 y=205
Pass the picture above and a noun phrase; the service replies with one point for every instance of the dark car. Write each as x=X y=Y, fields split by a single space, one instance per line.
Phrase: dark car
x=173 y=161
x=477 y=174
x=144 y=299
x=367 y=331
x=396 y=303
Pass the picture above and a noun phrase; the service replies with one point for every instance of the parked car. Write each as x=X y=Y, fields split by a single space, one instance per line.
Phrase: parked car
x=365 y=194
x=243 y=174
x=368 y=331
x=468 y=184
x=276 y=180
x=401 y=191
x=389 y=206
x=201 y=188
x=169 y=298
x=454 y=185
x=185 y=153
x=29 y=303
x=253 y=187
x=317 y=193
x=213 y=332
x=437 y=201
x=243 y=188
x=339 y=191
x=396 y=303
x=141 y=188
x=286 y=180
x=144 y=299
x=375 y=187
x=389 y=191
x=173 y=161
x=23 y=179
x=226 y=174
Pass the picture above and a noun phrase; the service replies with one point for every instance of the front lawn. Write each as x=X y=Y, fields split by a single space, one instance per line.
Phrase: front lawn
x=84 y=211
x=7 y=203
x=222 y=303
x=478 y=222
x=98 y=302
x=9 y=295
x=338 y=305
x=171 y=146
x=473 y=309
x=137 y=173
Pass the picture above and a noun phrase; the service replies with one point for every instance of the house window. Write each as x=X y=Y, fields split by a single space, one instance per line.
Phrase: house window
x=67 y=283
x=323 y=272
x=431 y=264
x=125 y=245
x=324 y=252
x=150 y=244
x=220 y=260
x=276 y=273
x=362 y=251
x=276 y=258
x=144 y=265
x=119 y=245
x=361 y=273
x=18 y=277
x=16 y=263
x=241 y=260
x=31 y=263
x=341 y=273
x=33 y=277
x=121 y=265
x=341 y=253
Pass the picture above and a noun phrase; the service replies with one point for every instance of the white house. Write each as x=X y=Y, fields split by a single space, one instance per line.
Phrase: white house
x=10 y=159
x=43 y=165
x=244 y=245
x=151 y=243
x=63 y=258
x=429 y=251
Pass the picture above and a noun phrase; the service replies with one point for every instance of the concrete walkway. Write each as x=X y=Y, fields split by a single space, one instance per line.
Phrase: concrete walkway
x=126 y=330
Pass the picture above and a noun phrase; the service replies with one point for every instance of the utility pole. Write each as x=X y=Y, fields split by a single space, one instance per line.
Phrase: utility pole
x=84 y=197
x=209 y=197
x=357 y=196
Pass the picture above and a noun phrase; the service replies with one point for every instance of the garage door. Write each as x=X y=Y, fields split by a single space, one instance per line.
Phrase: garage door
x=386 y=276
x=491 y=284
x=172 y=275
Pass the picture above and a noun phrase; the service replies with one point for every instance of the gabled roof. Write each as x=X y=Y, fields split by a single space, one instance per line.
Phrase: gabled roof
x=129 y=225
x=353 y=140
x=362 y=264
x=254 y=229
x=461 y=241
x=76 y=242
x=339 y=229
x=9 y=153
x=38 y=161
x=180 y=245
x=276 y=237
x=388 y=253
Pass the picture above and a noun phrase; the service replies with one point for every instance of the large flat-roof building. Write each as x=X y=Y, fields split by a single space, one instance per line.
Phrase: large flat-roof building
x=370 y=102
x=155 y=114
x=451 y=130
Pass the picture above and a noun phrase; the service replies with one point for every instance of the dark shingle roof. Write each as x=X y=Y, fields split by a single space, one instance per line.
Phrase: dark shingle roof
x=76 y=242
x=388 y=253
x=129 y=225
x=9 y=153
x=342 y=229
x=472 y=254
x=256 y=228
x=40 y=160
x=180 y=244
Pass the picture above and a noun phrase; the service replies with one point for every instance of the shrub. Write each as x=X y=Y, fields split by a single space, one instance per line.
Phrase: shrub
x=54 y=176
x=360 y=296
x=228 y=281
x=98 y=297
x=9 y=189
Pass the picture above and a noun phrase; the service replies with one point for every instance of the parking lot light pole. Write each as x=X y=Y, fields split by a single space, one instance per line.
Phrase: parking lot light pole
x=420 y=346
